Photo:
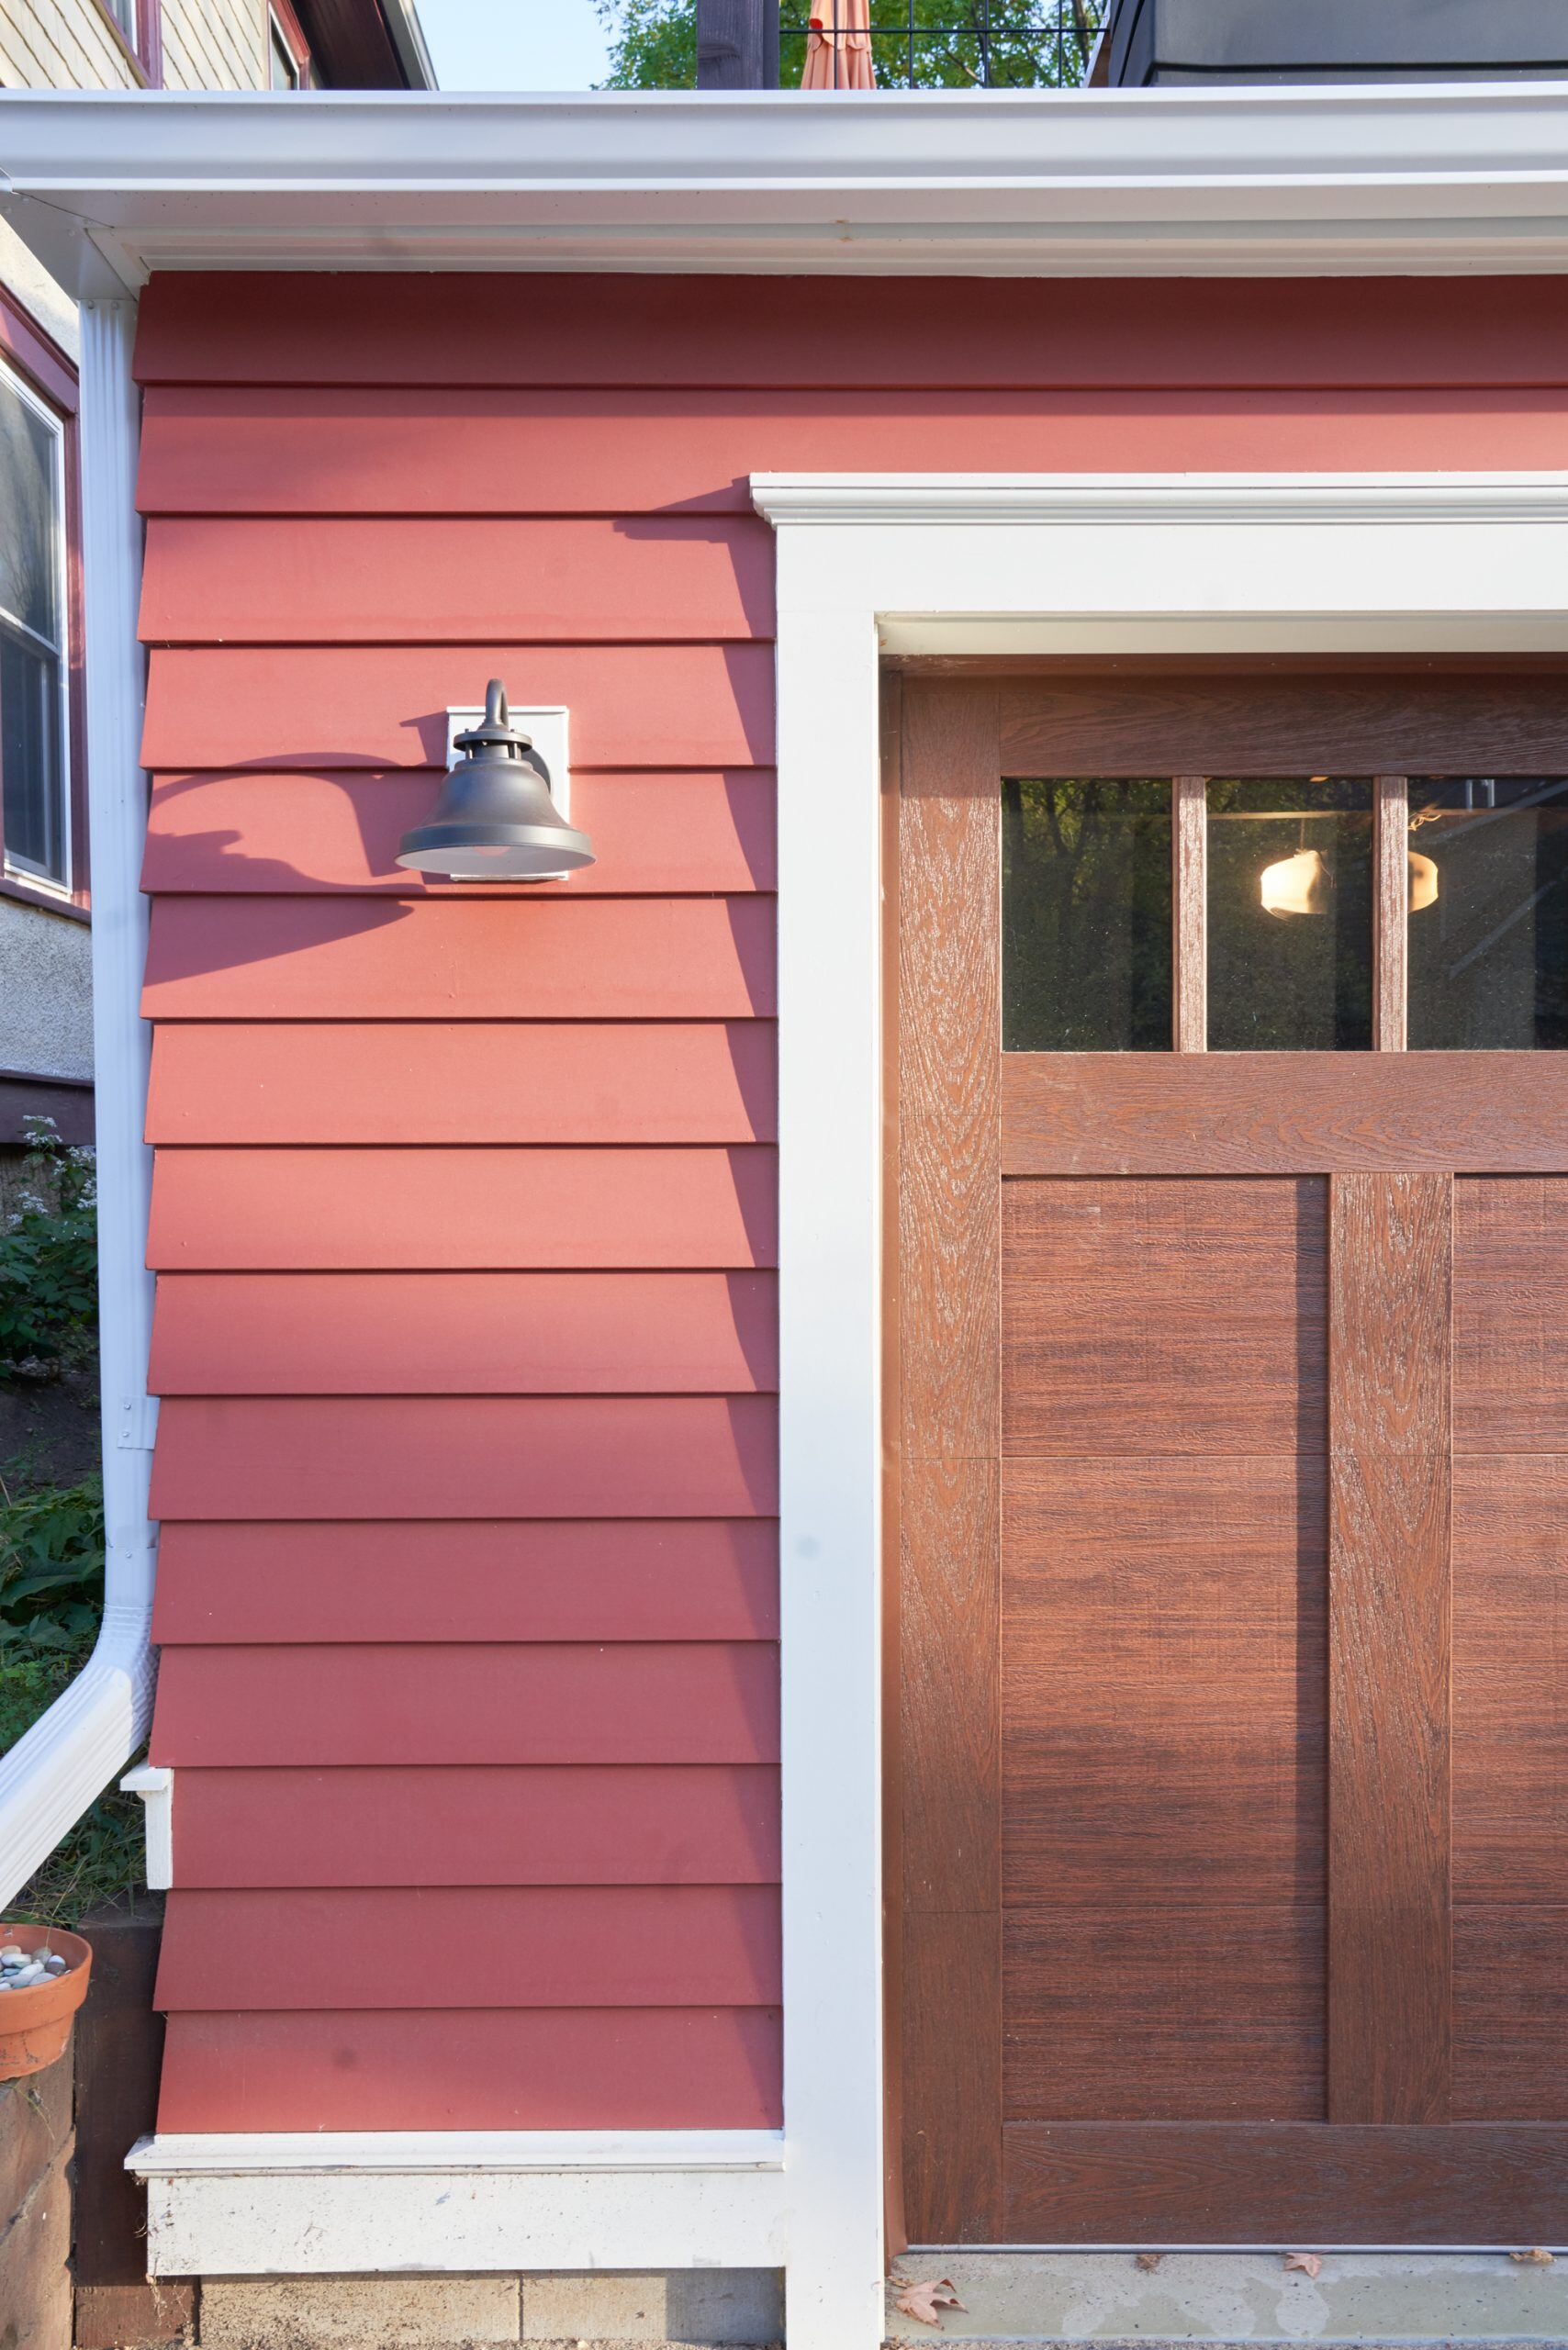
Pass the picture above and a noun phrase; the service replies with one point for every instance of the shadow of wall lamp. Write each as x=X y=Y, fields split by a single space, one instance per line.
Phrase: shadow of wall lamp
x=494 y=819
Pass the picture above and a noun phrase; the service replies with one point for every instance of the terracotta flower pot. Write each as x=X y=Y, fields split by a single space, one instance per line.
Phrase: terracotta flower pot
x=35 y=2024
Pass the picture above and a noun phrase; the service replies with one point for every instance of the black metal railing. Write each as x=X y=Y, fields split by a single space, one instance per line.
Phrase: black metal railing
x=956 y=44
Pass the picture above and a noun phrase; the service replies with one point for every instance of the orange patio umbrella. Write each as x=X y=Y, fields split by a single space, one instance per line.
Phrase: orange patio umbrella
x=838 y=47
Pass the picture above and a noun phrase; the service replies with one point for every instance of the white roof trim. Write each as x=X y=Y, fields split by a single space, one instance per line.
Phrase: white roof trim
x=1414 y=177
x=1267 y=500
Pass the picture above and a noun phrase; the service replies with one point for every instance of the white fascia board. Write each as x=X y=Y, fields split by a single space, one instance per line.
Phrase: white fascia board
x=1412 y=177
x=424 y=2201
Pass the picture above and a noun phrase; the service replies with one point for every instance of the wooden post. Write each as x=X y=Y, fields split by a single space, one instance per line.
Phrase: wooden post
x=1390 y=898
x=1190 y=890
x=1390 y=1434
x=737 y=44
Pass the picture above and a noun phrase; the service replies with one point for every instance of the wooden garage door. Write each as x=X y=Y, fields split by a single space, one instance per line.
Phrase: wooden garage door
x=1229 y=1407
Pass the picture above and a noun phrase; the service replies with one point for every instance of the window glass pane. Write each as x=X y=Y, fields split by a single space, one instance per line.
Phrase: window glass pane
x=1086 y=917
x=285 y=74
x=1290 y=906
x=32 y=815
x=1489 y=953
x=29 y=586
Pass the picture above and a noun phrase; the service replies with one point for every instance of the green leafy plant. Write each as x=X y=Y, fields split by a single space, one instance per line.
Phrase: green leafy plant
x=51 y=1565
x=931 y=45
x=51 y=1585
x=48 y=1293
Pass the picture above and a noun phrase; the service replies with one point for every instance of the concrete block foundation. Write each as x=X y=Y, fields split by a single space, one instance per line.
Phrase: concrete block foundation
x=684 y=2310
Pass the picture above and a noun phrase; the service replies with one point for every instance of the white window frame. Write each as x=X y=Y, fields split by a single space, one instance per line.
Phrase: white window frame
x=19 y=868
x=278 y=36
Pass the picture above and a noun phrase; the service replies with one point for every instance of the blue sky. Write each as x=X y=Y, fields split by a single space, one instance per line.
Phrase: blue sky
x=515 y=44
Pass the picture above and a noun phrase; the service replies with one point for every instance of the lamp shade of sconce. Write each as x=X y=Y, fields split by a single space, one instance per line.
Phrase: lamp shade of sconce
x=1301 y=884
x=1423 y=882
x=494 y=819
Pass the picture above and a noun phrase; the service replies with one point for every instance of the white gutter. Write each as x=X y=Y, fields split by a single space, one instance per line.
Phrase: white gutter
x=1426 y=178
x=66 y=1760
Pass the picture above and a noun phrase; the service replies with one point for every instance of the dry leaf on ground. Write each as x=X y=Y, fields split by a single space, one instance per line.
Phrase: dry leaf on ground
x=1536 y=2258
x=1310 y=2261
x=1149 y=2260
x=924 y=2300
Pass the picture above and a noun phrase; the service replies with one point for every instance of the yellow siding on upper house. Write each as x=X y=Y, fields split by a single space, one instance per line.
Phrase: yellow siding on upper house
x=70 y=45
x=213 y=44
x=61 y=44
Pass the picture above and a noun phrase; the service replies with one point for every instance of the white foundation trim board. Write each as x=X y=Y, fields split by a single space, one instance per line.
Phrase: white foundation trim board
x=441 y=2201
x=977 y=563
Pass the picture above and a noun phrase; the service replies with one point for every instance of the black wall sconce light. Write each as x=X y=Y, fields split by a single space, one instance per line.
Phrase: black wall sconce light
x=494 y=819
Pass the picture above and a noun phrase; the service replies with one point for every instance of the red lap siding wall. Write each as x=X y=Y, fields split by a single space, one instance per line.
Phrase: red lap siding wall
x=464 y=1203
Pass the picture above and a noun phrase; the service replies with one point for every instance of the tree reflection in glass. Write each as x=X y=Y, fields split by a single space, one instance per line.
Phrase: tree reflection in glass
x=1489 y=957
x=1086 y=961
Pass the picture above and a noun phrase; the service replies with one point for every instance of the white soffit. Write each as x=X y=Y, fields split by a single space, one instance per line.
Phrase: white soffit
x=1422 y=177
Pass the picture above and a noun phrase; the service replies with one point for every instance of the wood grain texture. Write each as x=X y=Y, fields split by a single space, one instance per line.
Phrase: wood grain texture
x=1510 y=2019
x=307 y=706
x=1510 y=1303
x=453 y=1209
x=466 y=1456
x=479 y=1824
x=1391 y=902
x=951 y=2143
x=950 y=1028
x=1421 y=721
x=426 y=1081
x=485 y=1703
x=949 y=1396
x=326 y=958
x=1510 y=1679
x=1163 y=1675
x=524 y=1946
x=467 y=2068
x=216 y=834
x=1169 y=2012
x=465 y=1334
x=1190 y=857
x=1237 y=1113
x=529 y=1579
x=259 y=329
x=413 y=580
x=1146 y=1317
x=215 y=449
x=1389 y=1715
x=1180 y=2183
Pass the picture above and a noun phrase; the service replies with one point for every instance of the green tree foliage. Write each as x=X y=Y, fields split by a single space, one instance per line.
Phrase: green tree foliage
x=49 y=1297
x=929 y=45
x=652 y=44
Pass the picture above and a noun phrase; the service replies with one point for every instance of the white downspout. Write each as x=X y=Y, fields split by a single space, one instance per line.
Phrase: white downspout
x=68 y=1756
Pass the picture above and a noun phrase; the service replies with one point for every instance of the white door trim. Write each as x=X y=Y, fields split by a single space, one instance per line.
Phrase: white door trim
x=974 y=563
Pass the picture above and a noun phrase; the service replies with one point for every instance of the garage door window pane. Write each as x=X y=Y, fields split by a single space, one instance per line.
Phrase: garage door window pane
x=1489 y=932
x=1086 y=917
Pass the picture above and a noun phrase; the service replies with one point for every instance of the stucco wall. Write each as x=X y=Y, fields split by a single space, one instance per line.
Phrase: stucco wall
x=46 y=1000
